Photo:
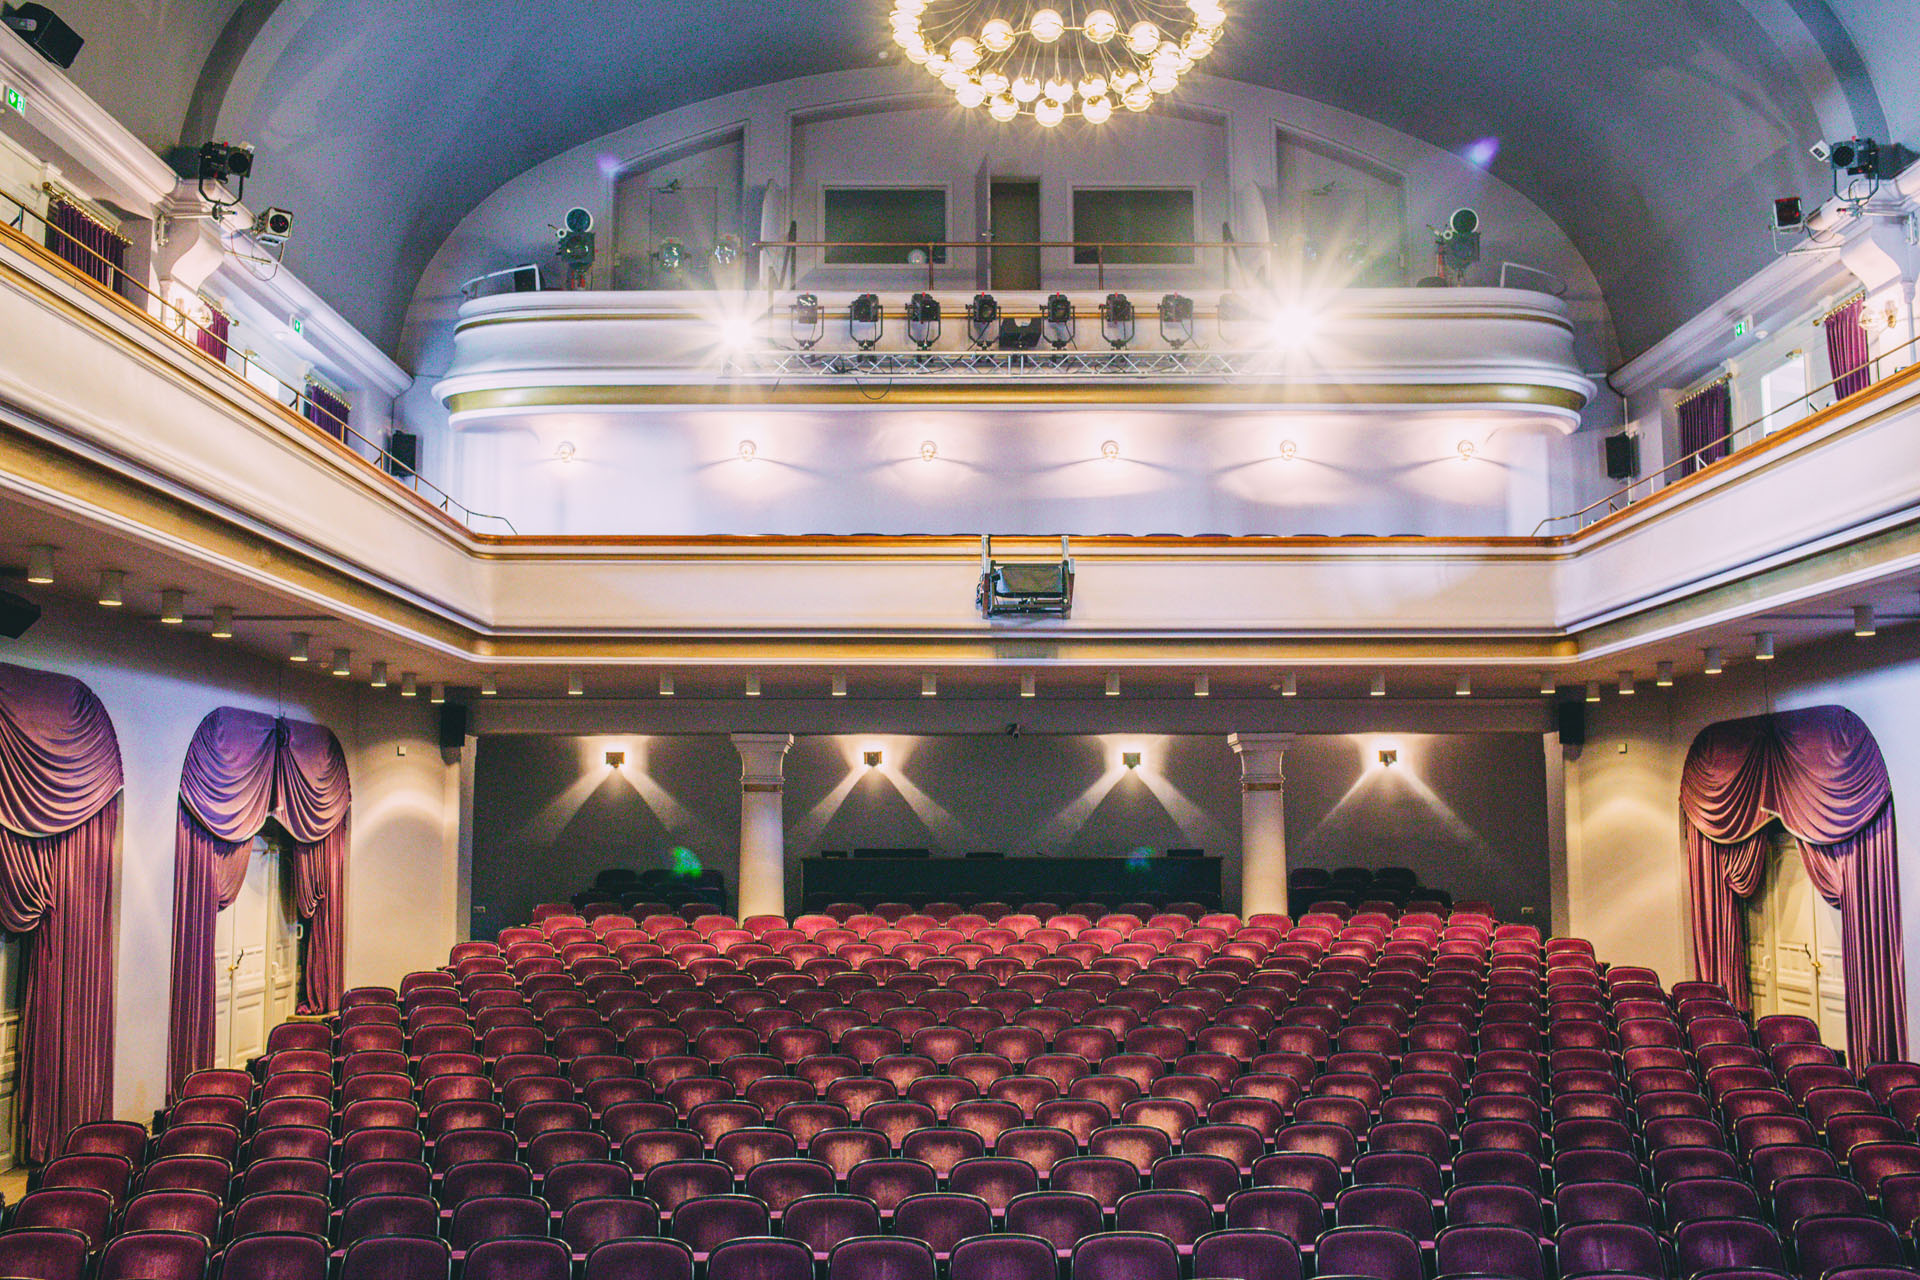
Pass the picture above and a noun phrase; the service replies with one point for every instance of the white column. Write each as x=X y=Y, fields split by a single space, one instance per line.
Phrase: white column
x=763 y=847
x=1263 y=820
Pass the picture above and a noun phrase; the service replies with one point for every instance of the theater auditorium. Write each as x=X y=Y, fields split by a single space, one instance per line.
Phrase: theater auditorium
x=958 y=640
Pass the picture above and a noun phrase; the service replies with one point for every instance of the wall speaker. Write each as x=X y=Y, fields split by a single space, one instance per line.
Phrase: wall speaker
x=453 y=726
x=1623 y=456
x=403 y=453
x=1573 y=724
x=42 y=29
x=17 y=613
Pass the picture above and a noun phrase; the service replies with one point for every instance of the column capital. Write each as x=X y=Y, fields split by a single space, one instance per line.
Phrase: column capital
x=1262 y=757
x=763 y=758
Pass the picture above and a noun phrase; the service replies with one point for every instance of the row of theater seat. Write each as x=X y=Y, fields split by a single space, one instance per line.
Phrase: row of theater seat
x=1381 y=1096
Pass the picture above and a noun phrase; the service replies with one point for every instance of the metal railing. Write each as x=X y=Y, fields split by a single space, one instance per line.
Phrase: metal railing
x=785 y=274
x=1800 y=408
x=130 y=291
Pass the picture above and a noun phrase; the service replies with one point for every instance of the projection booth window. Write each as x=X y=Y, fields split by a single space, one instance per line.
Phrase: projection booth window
x=860 y=216
x=1136 y=215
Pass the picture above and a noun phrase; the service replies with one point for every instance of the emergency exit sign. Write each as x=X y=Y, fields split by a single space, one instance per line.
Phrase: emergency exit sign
x=16 y=101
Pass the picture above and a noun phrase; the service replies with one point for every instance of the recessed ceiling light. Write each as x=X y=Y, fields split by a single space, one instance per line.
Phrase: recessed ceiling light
x=223 y=622
x=379 y=678
x=1716 y=661
x=1863 y=624
x=409 y=685
x=1663 y=675
x=173 y=606
x=1763 y=647
x=343 y=662
x=40 y=565
x=1379 y=689
x=299 y=647
x=112 y=583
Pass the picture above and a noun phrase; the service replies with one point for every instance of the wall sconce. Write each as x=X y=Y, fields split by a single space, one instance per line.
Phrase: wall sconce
x=1887 y=320
x=566 y=451
x=342 y=663
x=173 y=605
x=615 y=759
x=839 y=686
x=1863 y=623
x=1379 y=689
x=437 y=694
x=222 y=622
x=1029 y=685
x=1389 y=757
x=1463 y=687
x=667 y=686
x=1290 y=685
x=1289 y=451
x=300 y=647
x=1113 y=684
x=1716 y=663
x=1131 y=759
x=1763 y=647
x=489 y=687
x=1627 y=687
x=747 y=450
x=753 y=686
x=1202 y=687
x=1110 y=450
x=1593 y=691
x=929 y=451
x=40 y=565
x=872 y=758
x=929 y=685
x=1663 y=675
x=576 y=687
x=1466 y=450
x=112 y=583
x=378 y=679
x=409 y=685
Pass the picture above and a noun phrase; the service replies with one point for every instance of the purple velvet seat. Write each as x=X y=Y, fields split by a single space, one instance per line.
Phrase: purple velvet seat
x=823 y=1221
x=586 y=1180
x=484 y=1178
x=483 y=1218
x=1061 y=1218
x=1244 y=1254
x=1830 y=1242
x=1128 y=1255
x=705 y=1223
x=154 y=1255
x=881 y=1258
x=108 y=1137
x=1496 y=1205
x=109 y=1173
x=757 y=1259
x=995 y=1180
x=88 y=1210
x=942 y=1219
x=672 y=1184
x=379 y=1215
x=1579 y=1203
x=1488 y=1250
x=1378 y=1252
x=648 y=1260
x=589 y=1223
x=1401 y=1209
x=385 y=1177
x=1726 y=1243
x=518 y=1259
x=1698 y=1199
x=196 y=1212
x=1628 y=1248
x=275 y=1256
x=1399 y=1169
x=778 y=1183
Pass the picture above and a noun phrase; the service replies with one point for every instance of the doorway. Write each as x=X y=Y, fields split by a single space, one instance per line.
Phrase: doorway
x=256 y=954
x=1793 y=944
x=1013 y=213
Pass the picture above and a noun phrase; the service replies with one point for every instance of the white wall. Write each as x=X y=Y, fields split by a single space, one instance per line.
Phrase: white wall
x=1628 y=879
x=157 y=685
x=1467 y=811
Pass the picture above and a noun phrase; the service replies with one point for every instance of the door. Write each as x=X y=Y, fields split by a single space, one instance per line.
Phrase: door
x=256 y=959
x=1013 y=210
x=1794 y=945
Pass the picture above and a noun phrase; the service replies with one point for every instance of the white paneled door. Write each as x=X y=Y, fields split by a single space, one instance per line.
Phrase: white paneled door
x=1793 y=943
x=256 y=959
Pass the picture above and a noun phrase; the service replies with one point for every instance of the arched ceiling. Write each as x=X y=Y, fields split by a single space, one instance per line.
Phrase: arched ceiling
x=1654 y=131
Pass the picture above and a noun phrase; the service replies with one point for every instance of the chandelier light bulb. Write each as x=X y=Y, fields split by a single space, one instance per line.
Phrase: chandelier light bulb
x=1047 y=26
x=995 y=83
x=1049 y=113
x=1058 y=90
x=1143 y=38
x=1100 y=26
x=970 y=95
x=1091 y=87
x=938 y=64
x=916 y=53
x=1163 y=81
x=1098 y=110
x=964 y=53
x=1138 y=98
x=1025 y=88
x=953 y=77
x=1003 y=109
x=997 y=35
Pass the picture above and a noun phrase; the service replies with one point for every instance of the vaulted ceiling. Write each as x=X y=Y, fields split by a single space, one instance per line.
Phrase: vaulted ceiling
x=1654 y=131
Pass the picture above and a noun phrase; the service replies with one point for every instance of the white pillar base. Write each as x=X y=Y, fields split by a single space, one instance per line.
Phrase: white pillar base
x=762 y=889
x=1263 y=821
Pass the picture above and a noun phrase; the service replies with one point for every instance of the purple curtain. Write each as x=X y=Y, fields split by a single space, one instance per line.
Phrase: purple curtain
x=1704 y=422
x=327 y=411
x=1848 y=354
x=59 y=815
x=242 y=768
x=211 y=337
x=86 y=243
x=1820 y=772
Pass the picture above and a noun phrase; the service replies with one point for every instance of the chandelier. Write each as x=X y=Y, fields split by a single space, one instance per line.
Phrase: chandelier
x=1054 y=63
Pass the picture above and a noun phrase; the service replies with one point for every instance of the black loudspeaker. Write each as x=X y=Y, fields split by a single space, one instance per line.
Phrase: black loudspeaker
x=17 y=613
x=403 y=453
x=453 y=726
x=1573 y=724
x=1623 y=456
x=51 y=38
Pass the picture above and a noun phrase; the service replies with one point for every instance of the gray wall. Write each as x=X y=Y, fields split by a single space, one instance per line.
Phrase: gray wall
x=1466 y=811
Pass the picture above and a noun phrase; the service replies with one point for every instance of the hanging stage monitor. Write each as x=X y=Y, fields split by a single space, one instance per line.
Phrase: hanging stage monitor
x=1025 y=588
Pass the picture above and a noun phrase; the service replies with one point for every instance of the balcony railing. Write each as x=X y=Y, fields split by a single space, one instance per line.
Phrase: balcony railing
x=1728 y=447
x=90 y=269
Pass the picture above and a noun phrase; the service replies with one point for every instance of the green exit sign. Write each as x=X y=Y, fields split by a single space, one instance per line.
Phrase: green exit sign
x=1741 y=328
x=16 y=101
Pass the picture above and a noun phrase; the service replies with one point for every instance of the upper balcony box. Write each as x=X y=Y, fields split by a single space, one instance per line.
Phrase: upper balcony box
x=1502 y=352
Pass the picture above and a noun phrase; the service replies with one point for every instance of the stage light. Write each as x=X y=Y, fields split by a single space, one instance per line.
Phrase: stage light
x=1627 y=686
x=1787 y=214
x=667 y=686
x=1763 y=647
x=1863 y=624
x=748 y=451
x=1029 y=686
x=615 y=759
x=1176 y=320
x=40 y=565
x=1716 y=662
x=1663 y=675
x=1131 y=759
x=872 y=758
x=342 y=662
x=1389 y=757
x=574 y=242
x=929 y=685
x=1457 y=245
x=807 y=320
x=299 y=647
x=223 y=622
x=576 y=687
x=1593 y=691
x=173 y=604
x=409 y=685
x=1379 y=689
x=378 y=679
x=489 y=687
x=43 y=31
x=437 y=694
x=1061 y=323
x=1110 y=450
x=1857 y=156
x=923 y=320
x=1118 y=324
x=112 y=583
x=866 y=321
x=983 y=313
x=1202 y=687
x=1463 y=687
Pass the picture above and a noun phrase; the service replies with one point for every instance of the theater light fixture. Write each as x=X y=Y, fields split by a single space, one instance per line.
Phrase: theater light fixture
x=1029 y=686
x=872 y=758
x=753 y=686
x=1176 y=320
x=1716 y=661
x=667 y=688
x=1863 y=623
x=1548 y=685
x=576 y=687
x=1113 y=684
x=1290 y=685
x=1663 y=675
x=1463 y=687
x=929 y=451
x=1110 y=450
x=566 y=451
x=748 y=451
x=929 y=685
x=1593 y=691
x=1466 y=449
x=839 y=686
x=1627 y=686
x=1763 y=647
x=866 y=321
x=342 y=662
x=1379 y=687
x=489 y=687
x=40 y=565
x=112 y=583
x=1289 y=451
x=173 y=606
x=1389 y=757
x=983 y=317
x=379 y=677
x=1131 y=759
x=1202 y=687
x=807 y=320
x=437 y=694
x=1118 y=323
x=923 y=320
x=300 y=647
x=615 y=759
x=223 y=622
x=1061 y=323
x=409 y=685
